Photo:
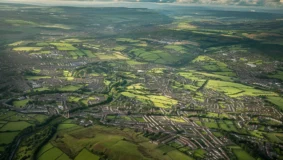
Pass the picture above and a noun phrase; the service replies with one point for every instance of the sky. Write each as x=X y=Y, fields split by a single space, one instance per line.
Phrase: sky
x=267 y=3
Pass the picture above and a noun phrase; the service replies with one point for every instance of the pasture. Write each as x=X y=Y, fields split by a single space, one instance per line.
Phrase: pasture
x=113 y=56
x=115 y=143
x=236 y=90
x=199 y=153
x=20 y=103
x=274 y=137
x=277 y=75
x=158 y=101
x=157 y=56
x=40 y=117
x=242 y=155
x=15 y=126
x=177 y=48
x=177 y=119
x=86 y=155
x=36 y=77
x=211 y=125
x=7 y=137
x=278 y=101
x=139 y=119
x=216 y=76
x=64 y=46
x=53 y=153
x=178 y=155
x=70 y=88
x=210 y=64
x=41 y=89
x=27 y=49
x=66 y=126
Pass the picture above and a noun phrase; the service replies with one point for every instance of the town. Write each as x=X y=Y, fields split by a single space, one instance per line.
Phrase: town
x=119 y=87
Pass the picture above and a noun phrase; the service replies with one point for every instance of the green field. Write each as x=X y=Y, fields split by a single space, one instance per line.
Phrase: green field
x=274 y=137
x=115 y=143
x=216 y=76
x=36 y=77
x=66 y=126
x=132 y=62
x=41 y=89
x=70 y=88
x=74 y=99
x=177 y=48
x=217 y=134
x=139 y=119
x=211 y=124
x=53 y=153
x=236 y=90
x=127 y=40
x=19 y=22
x=177 y=119
x=15 y=126
x=78 y=53
x=199 y=153
x=278 y=101
x=156 y=56
x=89 y=53
x=45 y=148
x=158 y=101
x=20 y=103
x=40 y=118
x=256 y=133
x=86 y=155
x=64 y=46
x=178 y=155
x=7 y=137
x=228 y=127
x=216 y=115
x=40 y=53
x=114 y=56
x=277 y=75
x=27 y=49
x=209 y=64
x=18 y=43
x=242 y=155
x=192 y=76
x=42 y=44
x=119 y=48
x=126 y=118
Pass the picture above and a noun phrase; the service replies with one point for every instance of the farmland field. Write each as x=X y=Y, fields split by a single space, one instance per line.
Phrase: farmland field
x=235 y=89
x=64 y=46
x=27 y=49
x=66 y=126
x=70 y=88
x=15 y=126
x=20 y=103
x=122 y=144
x=277 y=101
x=52 y=153
x=159 y=101
x=37 y=77
x=86 y=155
x=242 y=155
x=45 y=148
x=7 y=137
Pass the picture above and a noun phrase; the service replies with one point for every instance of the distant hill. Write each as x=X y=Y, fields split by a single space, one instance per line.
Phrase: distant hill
x=270 y=3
